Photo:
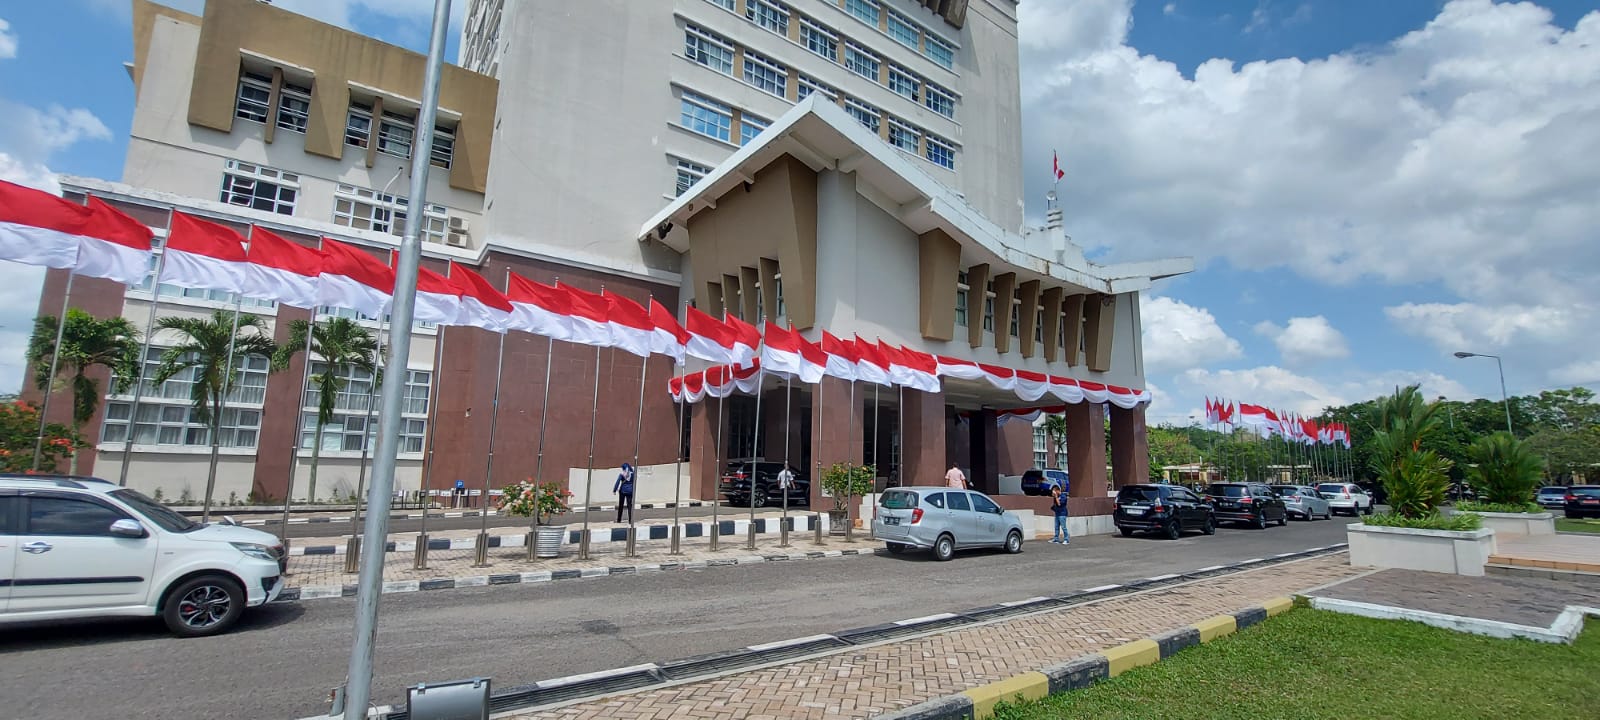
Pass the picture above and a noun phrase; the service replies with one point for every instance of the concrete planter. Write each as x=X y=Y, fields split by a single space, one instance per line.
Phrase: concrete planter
x=1519 y=523
x=1441 y=551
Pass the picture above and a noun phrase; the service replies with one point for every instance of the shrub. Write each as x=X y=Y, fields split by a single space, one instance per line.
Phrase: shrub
x=1471 y=506
x=525 y=499
x=1415 y=480
x=844 y=482
x=1505 y=471
x=1459 y=522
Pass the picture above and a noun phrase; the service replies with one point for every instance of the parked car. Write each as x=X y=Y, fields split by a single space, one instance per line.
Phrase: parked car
x=1583 y=500
x=1552 y=496
x=1346 y=497
x=944 y=520
x=84 y=547
x=1303 y=502
x=1248 y=502
x=1162 y=508
x=1039 y=482
x=736 y=484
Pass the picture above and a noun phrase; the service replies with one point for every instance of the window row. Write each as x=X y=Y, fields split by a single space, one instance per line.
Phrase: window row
x=249 y=384
x=393 y=132
x=223 y=297
x=963 y=292
x=263 y=188
x=715 y=119
x=775 y=16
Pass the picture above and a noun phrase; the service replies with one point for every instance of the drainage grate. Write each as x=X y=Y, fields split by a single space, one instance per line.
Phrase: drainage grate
x=891 y=631
x=539 y=694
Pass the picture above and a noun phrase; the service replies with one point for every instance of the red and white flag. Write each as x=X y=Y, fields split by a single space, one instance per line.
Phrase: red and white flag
x=746 y=340
x=630 y=325
x=38 y=228
x=438 y=300
x=921 y=370
x=539 y=309
x=780 y=353
x=352 y=278
x=668 y=338
x=842 y=357
x=1055 y=167
x=281 y=270
x=482 y=306
x=813 y=362
x=589 y=313
x=202 y=255
x=709 y=338
x=871 y=363
x=118 y=250
x=1252 y=415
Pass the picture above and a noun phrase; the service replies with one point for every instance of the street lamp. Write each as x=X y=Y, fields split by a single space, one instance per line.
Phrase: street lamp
x=1504 y=398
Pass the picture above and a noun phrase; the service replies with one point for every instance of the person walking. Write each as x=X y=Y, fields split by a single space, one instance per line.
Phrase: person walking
x=955 y=478
x=1058 y=503
x=624 y=490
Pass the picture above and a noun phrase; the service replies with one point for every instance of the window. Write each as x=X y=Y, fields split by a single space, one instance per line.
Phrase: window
x=903 y=30
x=1038 y=326
x=168 y=424
x=294 y=107
x=961 y=298
x=354 y=424
x=708 y=49
x=903 y=136
x=988 y=308
x=250 y=385
x=724 y=4
x=864 y=10
x=749 y=127
x=689 y=173
x=938 y=51
x=903 y=82
x=255 y=97
x=865 y=114
x=705 y=116
x=1016 y=316
x=259 y=188
x=808 y=85
x=770 y=15
x=766 y=74
x=358 y=126
x=861 y=61
x=69 y=516
x=444 y=147
x=416 y=399
x=395 y=133
x=939 y=100
x=940 y=152
x=935 y=499
x=984 y=505
x=957 y=500
x=819 y=40
x=368 y=210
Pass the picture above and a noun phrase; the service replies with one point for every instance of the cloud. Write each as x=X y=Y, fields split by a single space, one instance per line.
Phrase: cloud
x=1479 y=328
x=1178 y=336
x=1582 y=372
x=1305 y=340
x=1170 y=8
x=8 y=41
x=1284 y=389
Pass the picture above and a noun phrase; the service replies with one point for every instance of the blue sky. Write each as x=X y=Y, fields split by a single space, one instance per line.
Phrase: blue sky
x=1366 y=185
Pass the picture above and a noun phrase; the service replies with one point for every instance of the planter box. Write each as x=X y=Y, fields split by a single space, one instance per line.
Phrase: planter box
x=1441 y=551
x=1519 y=523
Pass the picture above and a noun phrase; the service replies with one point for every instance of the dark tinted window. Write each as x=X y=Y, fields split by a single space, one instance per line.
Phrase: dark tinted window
x=1228 y=490
x=899 y=500
x=984 y=505
x=1183 y=495
x=69 y=516
x=1590 y=491
x=1552 y=490
x=1331 y=488
x=156 y=512
x=9 y=507
x=1138 y=493
x=936 y=500
x=958 y=501
x=1288 y=491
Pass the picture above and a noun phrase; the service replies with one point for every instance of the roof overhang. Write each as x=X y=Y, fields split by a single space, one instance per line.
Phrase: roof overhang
x=824 y=137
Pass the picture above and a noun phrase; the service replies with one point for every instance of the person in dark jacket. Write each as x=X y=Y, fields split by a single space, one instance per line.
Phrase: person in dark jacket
x=624 y=490
x=1058 y=503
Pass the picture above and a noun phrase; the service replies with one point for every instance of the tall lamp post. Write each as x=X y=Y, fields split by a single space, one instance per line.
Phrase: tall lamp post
x=1504 y=398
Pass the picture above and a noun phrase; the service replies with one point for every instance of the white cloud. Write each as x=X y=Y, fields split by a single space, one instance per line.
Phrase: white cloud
x=1473 y=327
x=8 y=41
x=1284 y=389
x=1178 y=336
x=1305 y=340
x=1582 y=372
x=1170 y=8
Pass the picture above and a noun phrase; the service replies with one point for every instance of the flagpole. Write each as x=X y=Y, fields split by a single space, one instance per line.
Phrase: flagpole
x=849 y=467
x=788 y=418
x=816 y=459
x=877 y=435
x=299 y=430
x=227 y=386
x=482 y=546
x=716 y=465
x=420 y=554
x=588 y=490
x=638 y=435
x=50 y=383
x=677 y=452
x=352 y=551
x=755 y=446
x=144 y=353
x=538 y=466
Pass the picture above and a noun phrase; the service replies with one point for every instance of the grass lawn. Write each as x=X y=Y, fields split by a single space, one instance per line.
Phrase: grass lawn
x=1586 y=525
x=1309 y=664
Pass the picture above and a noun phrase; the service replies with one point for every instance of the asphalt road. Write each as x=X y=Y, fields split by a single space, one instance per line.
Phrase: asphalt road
x=299 y=530
x=282 y=660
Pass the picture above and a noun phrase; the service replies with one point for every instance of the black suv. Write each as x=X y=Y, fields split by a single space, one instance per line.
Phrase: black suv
x=735 y=484
x=1248 y=502
x=1582 y=500
x=1161 y=508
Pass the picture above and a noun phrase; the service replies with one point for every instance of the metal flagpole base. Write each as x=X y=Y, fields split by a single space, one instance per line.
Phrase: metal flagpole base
x=750 y=537
x=716 y=531
x=352 y=554
x=481 y=551
x=783 y=532
x=419 y=559
x=583 y=546
x=532 y=540
x=816 y=528
x=632 y=539
x=675 y=533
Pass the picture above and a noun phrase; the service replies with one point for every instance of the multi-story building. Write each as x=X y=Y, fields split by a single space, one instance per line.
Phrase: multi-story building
x=840 y=165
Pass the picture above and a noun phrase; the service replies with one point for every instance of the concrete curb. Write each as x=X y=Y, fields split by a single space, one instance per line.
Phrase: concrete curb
x=1564 y=630
x=597 y=536
x=457 y=514
x=318 y=592
x=979 y=702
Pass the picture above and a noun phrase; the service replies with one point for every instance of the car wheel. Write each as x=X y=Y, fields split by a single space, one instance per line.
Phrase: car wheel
x=760 y=497
x=1128 y=532
x=1283 y=520
x=202 y=606
x=1366 y=510
x=1261 y=522
x=896 y=548
x=1014 y=542
x=944 y=548
x=1210 y=528
x=1174 y=530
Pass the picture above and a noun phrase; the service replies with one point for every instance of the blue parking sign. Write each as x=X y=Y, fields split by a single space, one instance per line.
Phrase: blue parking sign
x=461 y=484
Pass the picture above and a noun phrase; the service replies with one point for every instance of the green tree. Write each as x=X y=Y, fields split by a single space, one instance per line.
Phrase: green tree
x=1055 y=427
x=1241 y=456
x=342 y=344
x=19 y=430
x=1416 y=479
x=205 y=350
x=1566 y=454
x=86 y=343
x=1169 y=446
x=1504 y=470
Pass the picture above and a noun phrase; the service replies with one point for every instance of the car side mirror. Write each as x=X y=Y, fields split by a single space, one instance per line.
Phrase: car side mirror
x=128 y=529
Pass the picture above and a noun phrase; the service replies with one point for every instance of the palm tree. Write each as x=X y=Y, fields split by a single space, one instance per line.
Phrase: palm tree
x=1416 y=480
x=206 y=348
x=1504 y=471
x=341 y=343
x=1055 y=426
x=86 y=342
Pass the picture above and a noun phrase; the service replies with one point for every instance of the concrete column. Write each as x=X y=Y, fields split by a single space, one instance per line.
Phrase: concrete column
x=280 y=415
x=984 y=473
x=1130 y=447
x=836 y=432
x=774 y=425
x=704 y=460
x=1086 y=449
x=836 y=250
x=923 y=457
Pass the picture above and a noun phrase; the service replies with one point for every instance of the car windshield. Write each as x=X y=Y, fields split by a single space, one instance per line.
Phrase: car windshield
x=1287 y=491
x=899 y=500
x=1138 y=493
x=1229 y=490
x=1586 y=491
x=1330 y=488
x=156 y=512
x=1552 y=491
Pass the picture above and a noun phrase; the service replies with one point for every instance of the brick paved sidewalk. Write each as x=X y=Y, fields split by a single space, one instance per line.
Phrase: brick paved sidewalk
x=863 y=682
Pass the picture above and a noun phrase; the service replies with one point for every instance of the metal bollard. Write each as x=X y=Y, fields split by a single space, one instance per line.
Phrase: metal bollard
x=716 y=530
x=531 y=541
x=352 y=554
x=783 y=532
x=675 y=551
x=816 y=528
x=583 y=546
x=419 y=558
x=750 y=535
x=632 y=538
x=481 y=551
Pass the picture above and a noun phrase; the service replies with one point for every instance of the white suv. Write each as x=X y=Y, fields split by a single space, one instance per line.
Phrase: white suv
x=77 y=547
x=1346 y=497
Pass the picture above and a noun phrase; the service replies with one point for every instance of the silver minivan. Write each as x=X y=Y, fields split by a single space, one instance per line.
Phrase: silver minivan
x=944 y=520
